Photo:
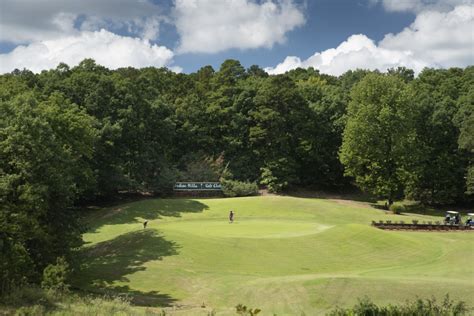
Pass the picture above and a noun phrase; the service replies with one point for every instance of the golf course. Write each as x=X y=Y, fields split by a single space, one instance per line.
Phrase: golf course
x=284 y=255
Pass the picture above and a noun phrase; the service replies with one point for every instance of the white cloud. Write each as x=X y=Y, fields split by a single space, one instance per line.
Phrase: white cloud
x=417 y=6
x=358 y=51
x=440 y=39
x=26 y=21
x=106 y=48
x=210 y=26
x=434 y=39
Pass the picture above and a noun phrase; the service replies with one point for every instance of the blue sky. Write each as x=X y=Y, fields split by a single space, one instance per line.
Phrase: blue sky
x=328 y=23
x=278 y=35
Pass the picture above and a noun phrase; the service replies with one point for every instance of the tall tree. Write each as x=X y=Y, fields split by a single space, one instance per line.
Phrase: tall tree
x=436 y=166
x=45 y=150
x=373 y=140
x=278 y=126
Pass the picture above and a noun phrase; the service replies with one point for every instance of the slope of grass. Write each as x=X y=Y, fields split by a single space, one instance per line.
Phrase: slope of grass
x=282 y=254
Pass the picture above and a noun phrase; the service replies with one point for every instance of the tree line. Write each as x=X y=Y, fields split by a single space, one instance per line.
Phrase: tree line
x=83 y=133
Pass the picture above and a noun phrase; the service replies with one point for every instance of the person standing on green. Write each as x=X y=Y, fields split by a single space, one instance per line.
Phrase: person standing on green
x=231 y=216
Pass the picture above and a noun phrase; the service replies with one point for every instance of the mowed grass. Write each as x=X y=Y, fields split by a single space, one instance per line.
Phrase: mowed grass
x=284 y=255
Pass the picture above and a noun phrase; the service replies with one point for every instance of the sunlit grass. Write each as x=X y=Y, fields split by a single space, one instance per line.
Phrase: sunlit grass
x=282 y=254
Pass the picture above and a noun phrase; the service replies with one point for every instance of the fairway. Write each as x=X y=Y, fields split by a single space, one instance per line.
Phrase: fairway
x=285 y=255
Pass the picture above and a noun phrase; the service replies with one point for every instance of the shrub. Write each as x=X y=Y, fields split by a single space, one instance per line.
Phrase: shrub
x=418 y=307
x=246 y=311
x=26 y=295
x=397 y=208
x=274 y=184
x=55 y=276
x=31 y=310
x=234 y=188
x=164 y=182
x=199 y=167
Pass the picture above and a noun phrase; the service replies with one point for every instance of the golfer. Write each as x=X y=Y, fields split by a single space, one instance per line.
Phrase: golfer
x=231 y=216
x=144 y=224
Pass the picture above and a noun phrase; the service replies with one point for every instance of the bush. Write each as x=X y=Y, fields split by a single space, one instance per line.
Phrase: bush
x=233 y=188
x=55 y=276
x=397 y=208
x=418 y=307
x=36 y=301
x=164 y=182
x=246 y=311
x=199 y=167
x=31 y=310
x=274 y=184
x=279 y=174
x=26 y=295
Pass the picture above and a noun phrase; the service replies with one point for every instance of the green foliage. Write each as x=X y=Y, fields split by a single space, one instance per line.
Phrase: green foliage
x=435 y=166
x=465 y=121
x=35 y=301
x=45 y=147
x=201 y=168
x=274 y=177
x=428 y=307
x=470 y=180
x=374 y=138
x=55 y=276
x=317 y=151
x=397 y=208
x=246 y=311
x=31 y=310
x=234 y=188
x=278 y=124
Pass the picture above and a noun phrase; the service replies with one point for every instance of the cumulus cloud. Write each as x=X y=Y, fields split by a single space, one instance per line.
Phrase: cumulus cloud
x=417 y=6
x=210 y=26
x=434 y=39
x=440 y=39
x=25 y=21
x=108 y=49
x=358 y=51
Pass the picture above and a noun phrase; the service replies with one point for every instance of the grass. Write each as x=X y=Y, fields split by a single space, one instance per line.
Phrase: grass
x=284 y=255
x=34 y=301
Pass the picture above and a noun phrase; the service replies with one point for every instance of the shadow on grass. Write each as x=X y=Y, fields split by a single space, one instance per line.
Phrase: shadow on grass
x=348 y=194
x=412 y=207
x=135 y=212
x=418 y=208
x=381 y=207
x=112 y=260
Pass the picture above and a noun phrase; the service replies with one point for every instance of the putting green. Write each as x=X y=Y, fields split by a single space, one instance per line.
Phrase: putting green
x=284 y=255
x=245 y=228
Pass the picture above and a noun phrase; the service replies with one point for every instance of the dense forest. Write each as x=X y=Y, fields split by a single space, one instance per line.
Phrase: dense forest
x=73 y=135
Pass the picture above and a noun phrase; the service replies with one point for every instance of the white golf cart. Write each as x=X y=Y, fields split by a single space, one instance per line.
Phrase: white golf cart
x=469 y=220
x=452 y=218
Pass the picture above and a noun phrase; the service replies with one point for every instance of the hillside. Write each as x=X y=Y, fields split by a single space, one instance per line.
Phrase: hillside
x=284 y=255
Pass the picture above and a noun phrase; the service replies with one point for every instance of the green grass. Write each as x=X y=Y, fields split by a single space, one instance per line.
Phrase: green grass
x=284 y=255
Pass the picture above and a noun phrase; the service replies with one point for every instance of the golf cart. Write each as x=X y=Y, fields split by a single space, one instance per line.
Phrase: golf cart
x=470 y=221
x=452 y=218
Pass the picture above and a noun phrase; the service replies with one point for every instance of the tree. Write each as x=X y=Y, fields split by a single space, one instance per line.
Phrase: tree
x=318 y=151
x=373 y=140
x=277 y=129
x=465 y=120
x=45 y=148
x=435 y=165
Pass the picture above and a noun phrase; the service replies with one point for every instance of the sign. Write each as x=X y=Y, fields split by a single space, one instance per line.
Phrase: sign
x=197 y=186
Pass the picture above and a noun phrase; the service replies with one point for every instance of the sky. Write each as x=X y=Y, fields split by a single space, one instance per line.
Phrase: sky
x=278 y=35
